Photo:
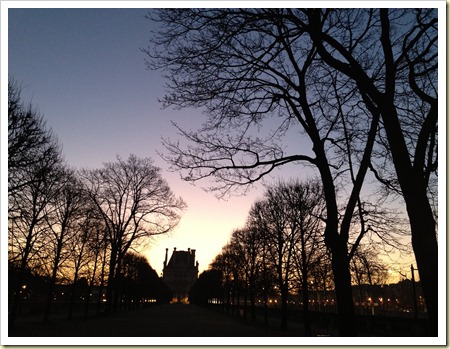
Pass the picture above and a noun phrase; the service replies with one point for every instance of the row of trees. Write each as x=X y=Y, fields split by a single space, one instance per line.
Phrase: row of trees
x=358 y=87
x=64 y=223
x=281 y=252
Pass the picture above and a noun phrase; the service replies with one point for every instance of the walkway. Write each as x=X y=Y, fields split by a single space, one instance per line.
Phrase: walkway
x=175 y=320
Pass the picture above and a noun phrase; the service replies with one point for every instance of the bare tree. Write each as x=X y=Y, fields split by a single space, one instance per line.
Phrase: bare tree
x=135 y=203
x=329 y=70
x=97 y=248
x=306 y=205
x=281 y=234
x=35 y=167
x=227 y=263
x=29 y=140
x=368 y=269
x=400 y=79
x=247 y=67
x=66 y=209
x=248 y=245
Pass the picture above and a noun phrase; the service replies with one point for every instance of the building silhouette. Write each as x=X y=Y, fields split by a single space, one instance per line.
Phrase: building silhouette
x=180 y=273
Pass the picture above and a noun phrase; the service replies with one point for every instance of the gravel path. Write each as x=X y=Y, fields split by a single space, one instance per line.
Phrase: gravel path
x=174 y=320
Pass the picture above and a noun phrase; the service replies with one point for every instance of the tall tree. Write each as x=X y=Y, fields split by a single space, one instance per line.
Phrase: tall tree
x=66 y=207
x=248 y=245
x=258 y=76
x=399 y=76
x=305 y=207
x=35 y=166
x=135 y=203
x=29 y=140
x=281 y=234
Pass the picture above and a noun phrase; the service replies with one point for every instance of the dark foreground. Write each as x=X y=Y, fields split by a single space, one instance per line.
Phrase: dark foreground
x=175 y=320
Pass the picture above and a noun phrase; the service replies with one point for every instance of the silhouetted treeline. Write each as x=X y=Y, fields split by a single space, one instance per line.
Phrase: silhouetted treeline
x=208 y=286
x=351 y=94
x=279 y=259
x=66 y=225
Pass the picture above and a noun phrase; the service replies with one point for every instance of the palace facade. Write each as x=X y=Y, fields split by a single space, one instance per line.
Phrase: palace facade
x=180 y=273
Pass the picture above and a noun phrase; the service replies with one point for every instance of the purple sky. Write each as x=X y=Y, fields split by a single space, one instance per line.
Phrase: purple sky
x=84 y=71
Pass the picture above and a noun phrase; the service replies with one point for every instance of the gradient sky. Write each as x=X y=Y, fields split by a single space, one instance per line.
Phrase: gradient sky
x=84 y=71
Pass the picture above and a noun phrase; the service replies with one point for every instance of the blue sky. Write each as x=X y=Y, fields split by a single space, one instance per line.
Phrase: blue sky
x=84 y=71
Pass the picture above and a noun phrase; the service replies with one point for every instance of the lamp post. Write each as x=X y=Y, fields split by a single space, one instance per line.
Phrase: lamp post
x=416 y=312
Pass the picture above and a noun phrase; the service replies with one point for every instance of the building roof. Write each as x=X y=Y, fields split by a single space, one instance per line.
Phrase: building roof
x=182 y=259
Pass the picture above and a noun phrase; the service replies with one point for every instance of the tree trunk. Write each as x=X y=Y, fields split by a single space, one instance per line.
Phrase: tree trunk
x=343 y=288
x=72 y=294
x=51 y=287
x=423 y=233
x=102 y=284
x=245 y=301
x=284 y=309
x=423 y=225
x=252 y=302
x=90 y=287
x=111 y=281
x=20 y=278
x=16 y=298
x=306 y=317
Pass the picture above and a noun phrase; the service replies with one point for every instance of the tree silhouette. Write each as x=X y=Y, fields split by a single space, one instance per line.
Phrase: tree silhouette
x=259 y=73
x=403 y=87
x=207 y=287
x=35 y=168
x=66 y=208
x=135 y=203
x=288 y=221
x=306 y=206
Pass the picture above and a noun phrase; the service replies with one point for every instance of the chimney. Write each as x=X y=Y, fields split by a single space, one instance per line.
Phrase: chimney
x=165 y=261
x=193 y=255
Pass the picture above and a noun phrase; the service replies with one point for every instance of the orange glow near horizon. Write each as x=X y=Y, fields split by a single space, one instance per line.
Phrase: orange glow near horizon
x=205 y=226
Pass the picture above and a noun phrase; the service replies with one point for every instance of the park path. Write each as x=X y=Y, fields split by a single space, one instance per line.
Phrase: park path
x=170 y=320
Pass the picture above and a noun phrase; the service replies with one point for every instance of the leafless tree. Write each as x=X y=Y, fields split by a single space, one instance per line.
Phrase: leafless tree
x=281 y=235
x=246 y=67
x=368 y=269
x=29 y=140
x=288 y=220
x=35 y=166
x=400 y=79
x=306 y=205
x=97 y=251
x=343 y=76
x=228 y=264
x=248 y=245
x=135 y=203
x=62 y=216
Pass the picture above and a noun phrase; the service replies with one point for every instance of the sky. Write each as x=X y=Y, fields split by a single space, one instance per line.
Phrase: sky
x=85 y=73
x=83 y=69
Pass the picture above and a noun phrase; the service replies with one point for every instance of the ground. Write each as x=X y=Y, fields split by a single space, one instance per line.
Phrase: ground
x=170 y=320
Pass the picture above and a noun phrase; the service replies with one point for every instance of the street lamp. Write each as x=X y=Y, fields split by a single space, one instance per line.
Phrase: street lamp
x=416 y=312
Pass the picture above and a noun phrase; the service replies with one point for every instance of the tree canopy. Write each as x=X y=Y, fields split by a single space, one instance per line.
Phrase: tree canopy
x=358 y=85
